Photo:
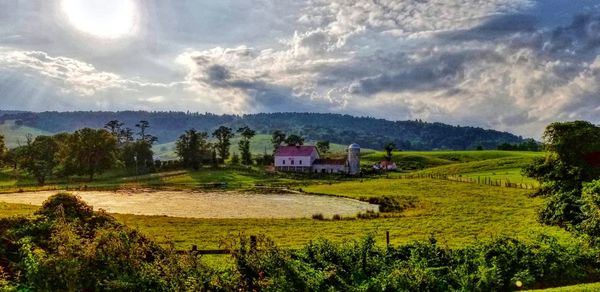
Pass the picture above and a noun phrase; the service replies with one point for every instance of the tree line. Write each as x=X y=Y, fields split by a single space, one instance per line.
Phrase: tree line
x=90 y=152
x=341 y=129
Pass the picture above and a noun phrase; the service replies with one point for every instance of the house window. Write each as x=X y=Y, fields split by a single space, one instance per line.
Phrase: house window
x=283 y=161
x=300 y=162
x=292 y=162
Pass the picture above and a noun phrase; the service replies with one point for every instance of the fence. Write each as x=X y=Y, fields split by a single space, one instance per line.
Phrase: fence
x=253 y=247
x=479 y=180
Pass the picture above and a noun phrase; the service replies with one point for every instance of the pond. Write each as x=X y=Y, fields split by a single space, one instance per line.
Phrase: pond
x=207 y=204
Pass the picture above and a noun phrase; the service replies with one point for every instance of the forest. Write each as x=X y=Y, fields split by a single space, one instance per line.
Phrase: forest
x=341 y=129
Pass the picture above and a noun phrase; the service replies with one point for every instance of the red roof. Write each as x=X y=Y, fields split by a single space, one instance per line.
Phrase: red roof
x=295 y=150
x=593 y=159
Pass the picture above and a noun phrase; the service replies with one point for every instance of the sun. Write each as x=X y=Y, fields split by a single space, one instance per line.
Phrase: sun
x=107 y=19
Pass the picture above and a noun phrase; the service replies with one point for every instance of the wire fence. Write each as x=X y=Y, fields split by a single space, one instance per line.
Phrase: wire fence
x=482 y=180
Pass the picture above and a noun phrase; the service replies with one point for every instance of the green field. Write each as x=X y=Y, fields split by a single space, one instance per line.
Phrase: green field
x=15 y=135
x=454 y=212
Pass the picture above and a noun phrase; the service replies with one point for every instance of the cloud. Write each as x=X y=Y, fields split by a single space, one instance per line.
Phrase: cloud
x=482 y=63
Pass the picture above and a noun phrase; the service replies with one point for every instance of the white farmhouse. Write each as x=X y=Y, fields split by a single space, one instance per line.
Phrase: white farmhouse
x=307 y=159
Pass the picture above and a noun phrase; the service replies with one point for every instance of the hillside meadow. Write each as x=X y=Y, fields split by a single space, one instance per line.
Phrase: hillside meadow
x=454 y=212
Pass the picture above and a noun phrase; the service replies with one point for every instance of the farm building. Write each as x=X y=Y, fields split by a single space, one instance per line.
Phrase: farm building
x=307 y=159
x=385 y=165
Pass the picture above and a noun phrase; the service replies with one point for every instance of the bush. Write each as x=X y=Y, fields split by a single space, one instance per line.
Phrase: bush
x=369 y=214
x=318 y=216
x=388 y=204
x=81 y=250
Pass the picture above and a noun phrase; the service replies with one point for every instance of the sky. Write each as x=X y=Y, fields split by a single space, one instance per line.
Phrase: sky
x=511 y=65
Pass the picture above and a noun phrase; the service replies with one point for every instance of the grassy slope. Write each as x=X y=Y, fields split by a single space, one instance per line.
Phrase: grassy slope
x=16 y=135
x=455 y=212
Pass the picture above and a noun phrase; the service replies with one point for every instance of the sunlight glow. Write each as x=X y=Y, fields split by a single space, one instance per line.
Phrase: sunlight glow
x=108 y=19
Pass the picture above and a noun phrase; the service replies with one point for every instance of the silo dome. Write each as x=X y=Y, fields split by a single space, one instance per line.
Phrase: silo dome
x=354 y=146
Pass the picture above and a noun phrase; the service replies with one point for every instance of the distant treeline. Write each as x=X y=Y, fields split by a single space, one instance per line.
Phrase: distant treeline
x=343 y=129
x=527 y=145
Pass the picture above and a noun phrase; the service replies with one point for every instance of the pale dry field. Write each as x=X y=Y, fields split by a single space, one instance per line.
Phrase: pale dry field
x=206 y=204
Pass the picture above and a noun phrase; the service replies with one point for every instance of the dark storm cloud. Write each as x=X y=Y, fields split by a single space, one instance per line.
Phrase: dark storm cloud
x=434 y=72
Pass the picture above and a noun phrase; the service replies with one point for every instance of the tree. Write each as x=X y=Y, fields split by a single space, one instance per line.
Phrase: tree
x=137 y=155
x=191 y=147
x=389 y=148
x=223 y=135
x=39 y=159
x=277 y=139
x=88 y=152
x=235 y=159
x=564 y=171
x=125 y=135
x=244 y=144
x=2 y=150
x=293 y=140
x=323 y=147
x=114 y=127
x=143 y=125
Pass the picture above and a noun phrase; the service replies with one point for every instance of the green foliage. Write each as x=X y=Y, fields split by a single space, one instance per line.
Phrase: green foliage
x=223 y=135
x=137 y=156
x=88 y=152
x=277 y=138
x=389 y=204
x=527 y=145
x=389 y=148
x=39 y=157
x=591 y=210
x=70 y=248
x=244 y=144
x=564 y=171
x=294 y=139
x=235 y=159
x=340 y=129
x=494 y=265
x=2 y=150
x=323 y=147
x=192 y=147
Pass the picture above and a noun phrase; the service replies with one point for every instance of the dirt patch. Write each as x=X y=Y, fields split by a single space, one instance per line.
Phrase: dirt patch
x=207 y=204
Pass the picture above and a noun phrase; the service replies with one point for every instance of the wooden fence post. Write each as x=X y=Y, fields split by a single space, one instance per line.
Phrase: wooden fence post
x=387 y=238
x=252 y=243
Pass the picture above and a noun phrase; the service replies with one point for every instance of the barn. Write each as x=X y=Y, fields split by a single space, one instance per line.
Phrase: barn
x=306 y=158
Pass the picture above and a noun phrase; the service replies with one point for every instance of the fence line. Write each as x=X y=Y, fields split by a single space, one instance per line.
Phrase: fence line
x=253 y=247
x=479 y=180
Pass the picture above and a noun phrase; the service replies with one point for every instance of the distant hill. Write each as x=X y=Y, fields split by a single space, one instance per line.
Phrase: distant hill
x=340 y=129
x=260 y=143
x=15 y=135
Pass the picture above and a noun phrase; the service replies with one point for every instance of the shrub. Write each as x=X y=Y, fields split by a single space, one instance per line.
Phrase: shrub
x=388 y=204
x=369 y=214
x=318 y=216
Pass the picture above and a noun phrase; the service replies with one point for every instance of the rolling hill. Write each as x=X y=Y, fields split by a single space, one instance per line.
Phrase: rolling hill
x=340 y=129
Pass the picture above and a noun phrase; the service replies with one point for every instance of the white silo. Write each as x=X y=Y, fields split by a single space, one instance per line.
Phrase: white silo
x=353 y=159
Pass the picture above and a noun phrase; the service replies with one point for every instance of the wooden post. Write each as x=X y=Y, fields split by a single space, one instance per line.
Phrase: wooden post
x=387 y=238
x=253 y=243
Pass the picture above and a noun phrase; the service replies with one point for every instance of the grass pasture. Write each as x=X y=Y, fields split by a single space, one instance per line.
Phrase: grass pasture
x=456 y=213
